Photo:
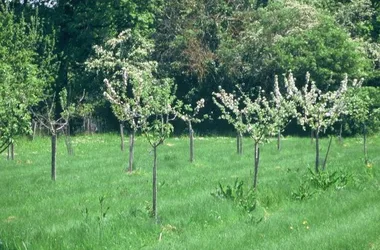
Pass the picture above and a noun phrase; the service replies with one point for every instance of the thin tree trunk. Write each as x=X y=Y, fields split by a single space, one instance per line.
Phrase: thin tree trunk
x=257 y=160
x=155 y=184
x=317 y=151
x=279 y=140
x=84 y=124
x=238 y=142
x=340 y=132
x=122 y=136
x=131 y=149
x=39 y=129
x=365 y=143
x=191 y=136
x=34 y=129
x=12 y=151
x=327 y=154
x=53 y=156
x=88 y=126
x=68 y=143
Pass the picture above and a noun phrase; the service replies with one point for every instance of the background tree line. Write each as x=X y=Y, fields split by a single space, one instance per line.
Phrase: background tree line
x=202 y=44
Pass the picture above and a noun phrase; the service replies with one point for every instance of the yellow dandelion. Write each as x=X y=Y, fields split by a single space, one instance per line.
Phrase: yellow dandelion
x=304 y=222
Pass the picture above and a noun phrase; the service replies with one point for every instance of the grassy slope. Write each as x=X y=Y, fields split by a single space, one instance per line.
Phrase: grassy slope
x=36 y=213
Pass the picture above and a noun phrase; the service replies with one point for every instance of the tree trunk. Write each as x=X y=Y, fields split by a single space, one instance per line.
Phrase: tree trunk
x=68 y=143
x=131 y=149
x=257 y=160
x=365 y=143
x=317 y=150
x=327 y=154
x=34 y=129
x=12 y=151
x=84 y=124
x=155 y=184
x=191 y=136
x=53 y=155
x=39 y=129
x=121 y=136
x=279 y=140
x=241 y=143
x=238 y=143
x=340 y=132
x=88 y=126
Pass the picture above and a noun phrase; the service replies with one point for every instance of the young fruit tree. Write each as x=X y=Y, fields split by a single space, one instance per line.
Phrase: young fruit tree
x=258 y=118
x=161 y=108
x=317 y=110
x=229 y=105
x=55 y=123
x=125 y=63
x=189 y=115
x=361 y=110
x=285 y=110
x=128 y=109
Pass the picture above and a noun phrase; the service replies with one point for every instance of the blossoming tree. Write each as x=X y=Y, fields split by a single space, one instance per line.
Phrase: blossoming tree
x=160 y=108
x=317 y=110
x=125 y=63
x=285 y=110
x=255 y=116
x=229 y=105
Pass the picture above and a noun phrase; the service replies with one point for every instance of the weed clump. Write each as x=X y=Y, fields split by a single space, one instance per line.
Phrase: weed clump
x=321 y=181
x=246 y=200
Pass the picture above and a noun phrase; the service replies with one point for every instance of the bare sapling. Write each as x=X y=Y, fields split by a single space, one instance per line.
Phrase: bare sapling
x=55 y=123
x=189 y=115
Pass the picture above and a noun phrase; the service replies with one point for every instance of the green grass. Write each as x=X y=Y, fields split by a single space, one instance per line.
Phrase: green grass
x=36 y=213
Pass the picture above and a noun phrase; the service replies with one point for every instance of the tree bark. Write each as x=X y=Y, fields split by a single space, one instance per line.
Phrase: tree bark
x=12 y=151
x=327 y=154
x=365 y=143
x=257 y=160
x=155 y=184
x=317 y=150
x=340 y=132
x=68 y=143
x=238 y=142
x=131 y=150
x=279 y=140
x=122 y=137
x=53 y=156
x=191 y=136
x=241 y=144
x=34 y=129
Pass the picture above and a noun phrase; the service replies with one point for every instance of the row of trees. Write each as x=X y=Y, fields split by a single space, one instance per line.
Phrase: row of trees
x=201 y=44
x=156 y=61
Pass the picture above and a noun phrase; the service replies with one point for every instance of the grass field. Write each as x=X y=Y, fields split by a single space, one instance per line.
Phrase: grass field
x=71 y=213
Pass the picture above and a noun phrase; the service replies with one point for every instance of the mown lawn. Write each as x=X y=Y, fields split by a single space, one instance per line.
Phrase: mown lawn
x=36 y=213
